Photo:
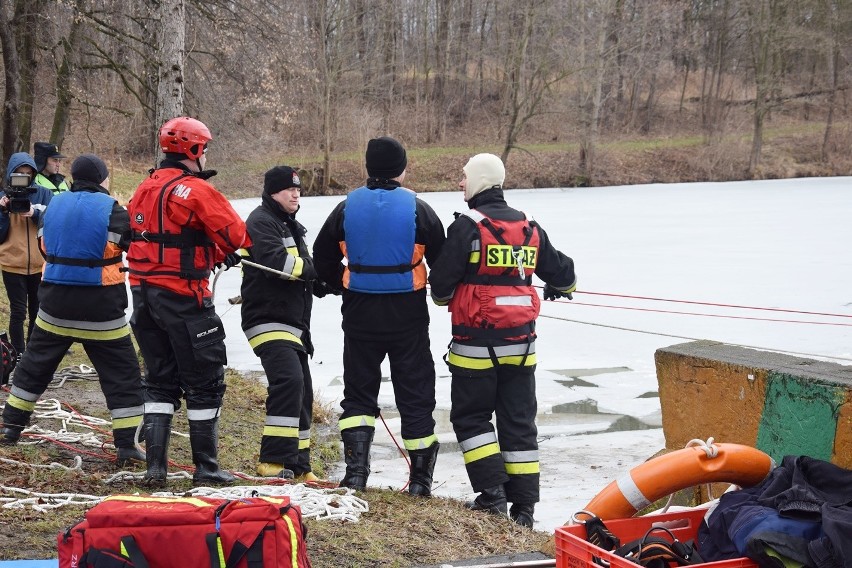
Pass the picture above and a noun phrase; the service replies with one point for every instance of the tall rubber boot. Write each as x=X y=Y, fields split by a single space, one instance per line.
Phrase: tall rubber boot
x=158 y=433
x=522 y=513
x=356 y=454
x=14 y=422
x=204 y=439
x=126 y=451
x=422 y=468
x=492 y=500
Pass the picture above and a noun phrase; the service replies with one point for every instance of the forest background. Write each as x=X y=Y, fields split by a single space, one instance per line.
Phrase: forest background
x=568 y=92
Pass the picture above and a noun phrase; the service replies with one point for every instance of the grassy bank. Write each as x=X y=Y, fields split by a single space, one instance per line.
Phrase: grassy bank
x=398 y=531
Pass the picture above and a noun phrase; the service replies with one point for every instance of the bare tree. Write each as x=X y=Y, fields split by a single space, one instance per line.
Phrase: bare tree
x=12 y=74
x=171 y=47
x=766 y=21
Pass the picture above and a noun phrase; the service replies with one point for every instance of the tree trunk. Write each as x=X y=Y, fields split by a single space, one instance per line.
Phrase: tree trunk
x=171 y=47
x=11 y=139
x=71 y=47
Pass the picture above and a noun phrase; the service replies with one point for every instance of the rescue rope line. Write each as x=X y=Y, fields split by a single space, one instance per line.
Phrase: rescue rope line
x=711 y=315
x=736 y=306
x=835 y=357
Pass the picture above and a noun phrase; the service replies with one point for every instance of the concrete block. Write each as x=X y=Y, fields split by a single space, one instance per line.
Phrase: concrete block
x=778 y=403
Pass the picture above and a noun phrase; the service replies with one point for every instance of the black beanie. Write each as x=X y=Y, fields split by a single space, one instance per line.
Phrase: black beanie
x=88 y=167
x=279 y=178
x=385 y=158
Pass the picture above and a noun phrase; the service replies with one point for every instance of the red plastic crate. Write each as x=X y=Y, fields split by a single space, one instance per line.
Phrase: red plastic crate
x=574 y=551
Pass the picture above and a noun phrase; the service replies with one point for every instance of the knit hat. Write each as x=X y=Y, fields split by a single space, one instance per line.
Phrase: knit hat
x=483 y=171
x=280 y=178
x=44 y=150
x=88 y=167
x=385 y=158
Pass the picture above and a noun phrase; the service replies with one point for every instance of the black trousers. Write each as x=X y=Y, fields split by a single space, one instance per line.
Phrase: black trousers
x=183 y=345
x=22 y=290
x=289 y=406
x=114 y=360
x=507 y=391
x=412 y=374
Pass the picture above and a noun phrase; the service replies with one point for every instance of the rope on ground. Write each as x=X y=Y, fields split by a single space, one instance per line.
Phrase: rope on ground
x=44 y=501
x=126 y=476
x=319 y=504
x=51 y=409
x=80 y=372
x=78 y=464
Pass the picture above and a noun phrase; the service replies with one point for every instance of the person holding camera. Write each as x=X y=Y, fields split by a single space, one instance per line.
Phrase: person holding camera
x=182 y=228
x=83 y=299
x=21 y=206
x=48 y=161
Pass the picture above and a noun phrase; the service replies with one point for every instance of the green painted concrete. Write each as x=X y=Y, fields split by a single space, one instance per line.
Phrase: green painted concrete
x=799 y=417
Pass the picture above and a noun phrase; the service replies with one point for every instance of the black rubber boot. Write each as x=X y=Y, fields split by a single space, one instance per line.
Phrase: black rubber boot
x=356 y=454
x=126 y=451
x=158 y=433
x=522 y=513
x=14 y=422
x=204 y=439
x=492 y=500
x=422 y=468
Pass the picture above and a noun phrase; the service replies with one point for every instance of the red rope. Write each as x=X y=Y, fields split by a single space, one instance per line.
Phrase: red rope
x=398 y=447
x=740 y=307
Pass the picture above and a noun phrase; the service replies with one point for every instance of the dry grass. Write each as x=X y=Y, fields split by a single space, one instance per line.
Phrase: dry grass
x=398 y=530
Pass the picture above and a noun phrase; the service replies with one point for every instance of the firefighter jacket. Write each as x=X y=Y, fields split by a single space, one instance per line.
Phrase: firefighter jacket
x=55 y=182
x=386 y=235
x=19 y=252
x=83 y=293
x=276 y=307
x=181 y=228
x=479 y=277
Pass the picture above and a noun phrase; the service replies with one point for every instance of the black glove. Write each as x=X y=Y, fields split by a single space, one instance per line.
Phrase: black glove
x=551 y=293
x=231 y=259
x=321 y=289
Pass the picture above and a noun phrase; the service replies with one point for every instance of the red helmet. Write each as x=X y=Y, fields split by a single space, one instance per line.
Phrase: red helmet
x=185 y=135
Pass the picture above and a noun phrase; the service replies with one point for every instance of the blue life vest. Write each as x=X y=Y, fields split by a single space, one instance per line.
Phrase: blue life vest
x=380 y=226
x=74 y=237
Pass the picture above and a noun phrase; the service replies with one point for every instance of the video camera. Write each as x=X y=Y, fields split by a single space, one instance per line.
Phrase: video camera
x=19 y=192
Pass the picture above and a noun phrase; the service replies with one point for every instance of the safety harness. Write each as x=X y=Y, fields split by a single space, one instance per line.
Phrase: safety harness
x=188 y=239
x=650 y=551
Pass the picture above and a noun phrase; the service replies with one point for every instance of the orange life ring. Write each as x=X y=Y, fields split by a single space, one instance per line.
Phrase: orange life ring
x=668 y=473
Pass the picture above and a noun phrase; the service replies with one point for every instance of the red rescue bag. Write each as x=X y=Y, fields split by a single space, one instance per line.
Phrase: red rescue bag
x=143 y=531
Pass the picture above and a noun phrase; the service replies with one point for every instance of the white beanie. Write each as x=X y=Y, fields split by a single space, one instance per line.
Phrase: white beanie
x=483 y=171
